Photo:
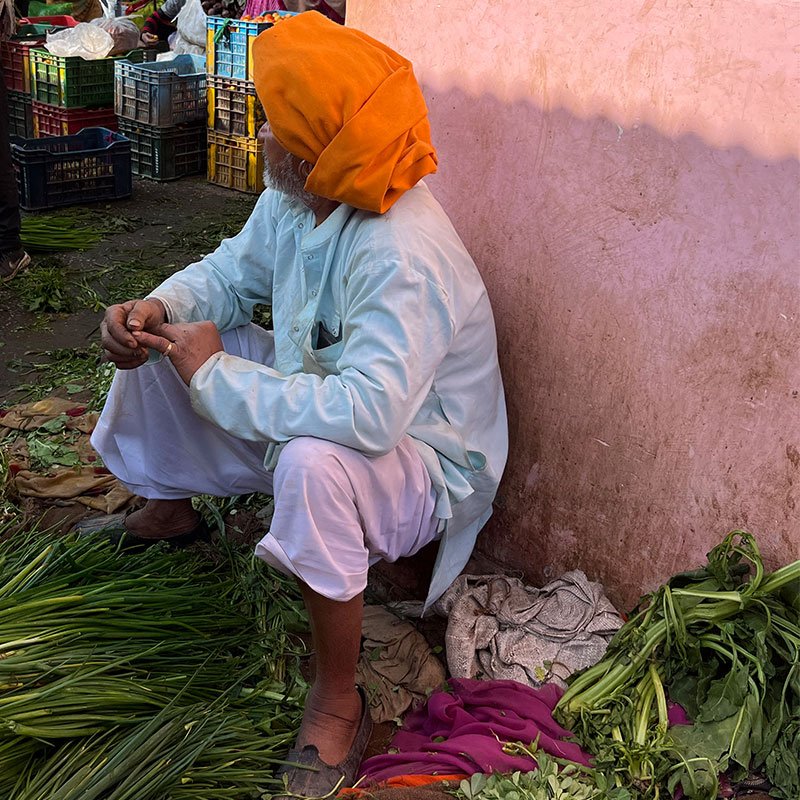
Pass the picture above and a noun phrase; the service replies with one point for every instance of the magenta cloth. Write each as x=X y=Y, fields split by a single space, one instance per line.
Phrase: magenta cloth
x=676 y=714
x=458 y=732
x=255 y=8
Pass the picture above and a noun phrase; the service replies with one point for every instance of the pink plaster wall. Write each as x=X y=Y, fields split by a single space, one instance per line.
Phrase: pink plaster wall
x=626 y=176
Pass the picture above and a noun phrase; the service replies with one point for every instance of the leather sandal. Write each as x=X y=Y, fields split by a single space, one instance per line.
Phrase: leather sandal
x=112 y=527
x=306 y=775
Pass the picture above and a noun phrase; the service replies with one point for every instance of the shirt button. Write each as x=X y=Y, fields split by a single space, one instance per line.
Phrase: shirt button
x=296 y=328
x=313 y=292
x=300 y=225
x=309 y=258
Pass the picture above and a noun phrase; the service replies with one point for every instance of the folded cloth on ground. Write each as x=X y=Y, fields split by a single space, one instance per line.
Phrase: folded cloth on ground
x=397 y=667
x=501 y=628
x=29 y=416
x=52 y=458
x=463 y=731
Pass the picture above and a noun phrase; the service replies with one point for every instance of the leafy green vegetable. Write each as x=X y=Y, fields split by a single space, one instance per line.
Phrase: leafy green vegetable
x=46 y=453
x=549 y=782
x=723 y=642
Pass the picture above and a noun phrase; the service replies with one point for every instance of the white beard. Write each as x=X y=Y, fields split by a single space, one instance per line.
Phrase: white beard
x=284 y=177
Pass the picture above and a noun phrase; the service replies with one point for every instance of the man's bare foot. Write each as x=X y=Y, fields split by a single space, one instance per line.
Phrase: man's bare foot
x=330 y=723
x=161 y=519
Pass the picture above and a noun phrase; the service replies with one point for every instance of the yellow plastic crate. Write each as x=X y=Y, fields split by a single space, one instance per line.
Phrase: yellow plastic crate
x=233 y=107
x=235 y=162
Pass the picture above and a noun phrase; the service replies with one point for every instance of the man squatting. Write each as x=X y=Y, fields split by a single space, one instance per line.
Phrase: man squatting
x=374 y=413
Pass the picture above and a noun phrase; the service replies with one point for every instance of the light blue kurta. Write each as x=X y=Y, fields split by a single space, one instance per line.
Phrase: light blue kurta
x=414 y=348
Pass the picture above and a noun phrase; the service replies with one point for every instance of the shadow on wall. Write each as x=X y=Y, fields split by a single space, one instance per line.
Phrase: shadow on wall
x=647 y=298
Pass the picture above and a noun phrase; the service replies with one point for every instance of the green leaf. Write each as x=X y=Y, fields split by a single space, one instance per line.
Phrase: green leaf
x=55 y=425
x=45 y=453
x=725 y=696
x=783 y=761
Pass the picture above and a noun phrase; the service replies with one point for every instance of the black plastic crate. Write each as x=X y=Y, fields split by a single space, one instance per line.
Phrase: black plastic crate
x=165 y=154
x=92 y=165
x=20 y=115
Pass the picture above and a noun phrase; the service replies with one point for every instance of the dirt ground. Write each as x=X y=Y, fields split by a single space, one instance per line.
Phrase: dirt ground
x=171 y=225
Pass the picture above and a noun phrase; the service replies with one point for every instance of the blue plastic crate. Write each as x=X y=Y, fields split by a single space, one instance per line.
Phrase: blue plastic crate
x=229 y=46
x=163 y=93
x=92 y=165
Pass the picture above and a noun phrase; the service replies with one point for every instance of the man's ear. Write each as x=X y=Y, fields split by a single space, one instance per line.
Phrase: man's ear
x=304 y=169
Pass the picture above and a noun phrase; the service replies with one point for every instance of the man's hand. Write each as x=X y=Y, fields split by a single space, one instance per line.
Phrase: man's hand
x=188 y=345
x=116 y=330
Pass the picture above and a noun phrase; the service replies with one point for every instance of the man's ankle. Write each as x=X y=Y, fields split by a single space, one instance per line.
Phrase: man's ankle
x=163 y=518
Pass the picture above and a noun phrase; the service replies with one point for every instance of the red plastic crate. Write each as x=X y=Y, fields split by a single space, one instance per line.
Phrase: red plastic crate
x=59 y=21
x=57 y=121
x=14 y=52
x=16 y=63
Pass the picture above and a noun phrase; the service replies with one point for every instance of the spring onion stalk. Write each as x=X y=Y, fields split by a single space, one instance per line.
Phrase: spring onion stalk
x=163 y=676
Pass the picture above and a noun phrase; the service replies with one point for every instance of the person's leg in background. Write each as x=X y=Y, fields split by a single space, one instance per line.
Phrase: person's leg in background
x=12 y=256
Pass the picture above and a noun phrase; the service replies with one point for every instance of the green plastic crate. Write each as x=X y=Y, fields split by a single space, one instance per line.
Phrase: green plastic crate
x=75 y=82
x=20 y=115
x=165 y=154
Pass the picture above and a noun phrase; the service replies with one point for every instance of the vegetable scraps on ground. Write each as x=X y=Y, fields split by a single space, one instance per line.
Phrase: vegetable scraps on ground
x=165 y=676
x=723 y=642
x=554 y=779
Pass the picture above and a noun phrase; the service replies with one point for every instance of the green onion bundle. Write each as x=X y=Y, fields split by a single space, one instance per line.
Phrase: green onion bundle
x=151 y=676
x=724 y=643
x=48 y=233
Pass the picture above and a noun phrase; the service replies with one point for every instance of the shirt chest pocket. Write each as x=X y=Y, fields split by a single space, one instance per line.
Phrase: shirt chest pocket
x=327 y=333
x=326 y=351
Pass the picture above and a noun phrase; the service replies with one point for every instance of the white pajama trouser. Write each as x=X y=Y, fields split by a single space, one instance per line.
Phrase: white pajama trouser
x=336 y=510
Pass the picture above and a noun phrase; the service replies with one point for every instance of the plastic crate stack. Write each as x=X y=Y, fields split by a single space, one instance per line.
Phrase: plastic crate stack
x=162 y=108
x=15 y=61
x=235 y=114
x=71 y=93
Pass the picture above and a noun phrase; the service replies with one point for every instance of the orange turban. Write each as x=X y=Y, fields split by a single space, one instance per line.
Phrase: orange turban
x=347 y=104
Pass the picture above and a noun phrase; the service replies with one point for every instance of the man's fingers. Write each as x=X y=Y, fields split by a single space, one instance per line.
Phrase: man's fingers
x=151 y=340
x=167 y=331
x=126 y=362
x=115 y=319
x=138 y=316
x=121 y=350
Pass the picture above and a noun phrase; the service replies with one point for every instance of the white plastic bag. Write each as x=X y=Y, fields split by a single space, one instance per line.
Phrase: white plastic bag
x=85 y=40
x=179 y=46
x=191 y=23
x=124 y=31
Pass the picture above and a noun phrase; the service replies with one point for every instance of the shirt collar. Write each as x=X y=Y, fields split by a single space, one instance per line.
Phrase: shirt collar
x=321 y=233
